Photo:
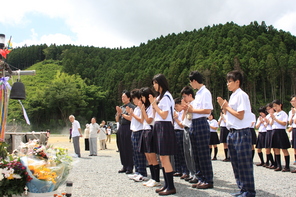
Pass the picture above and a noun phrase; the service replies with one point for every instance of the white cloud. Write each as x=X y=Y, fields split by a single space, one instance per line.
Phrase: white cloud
x=287 y=22
x=58 y=39
x=114 y=23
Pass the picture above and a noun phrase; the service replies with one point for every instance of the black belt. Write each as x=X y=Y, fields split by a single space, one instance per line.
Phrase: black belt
x=234 y=130
x=178 y=130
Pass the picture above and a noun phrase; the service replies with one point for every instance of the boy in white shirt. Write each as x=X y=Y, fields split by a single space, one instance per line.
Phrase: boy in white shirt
x=200 y=129
x=238 y=118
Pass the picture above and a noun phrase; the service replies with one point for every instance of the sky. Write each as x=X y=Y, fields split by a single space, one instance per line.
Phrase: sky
x=128 y=23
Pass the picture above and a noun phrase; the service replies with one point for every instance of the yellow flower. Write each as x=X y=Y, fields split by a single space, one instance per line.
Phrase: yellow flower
x=41 y=172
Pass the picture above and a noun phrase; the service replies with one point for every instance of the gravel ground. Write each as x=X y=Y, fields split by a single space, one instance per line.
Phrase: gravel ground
x=98 y=177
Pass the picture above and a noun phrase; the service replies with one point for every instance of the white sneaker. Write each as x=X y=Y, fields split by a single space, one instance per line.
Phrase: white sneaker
x=153 y=184
x=145 y=178
x=138 y=178
x=132 y=176
x=148 y=182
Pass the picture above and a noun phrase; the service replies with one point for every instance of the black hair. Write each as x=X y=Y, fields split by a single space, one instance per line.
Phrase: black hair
x=212 y=114
x=263 y=110
x=294 y=95
x=178 y=101
x=162 y=82
x=235 y=75
x=269 y=105
x=127 y=93
x=146 y=91
x=278 y=102
x=135 y=93
x=187 y=90
x=197 y=76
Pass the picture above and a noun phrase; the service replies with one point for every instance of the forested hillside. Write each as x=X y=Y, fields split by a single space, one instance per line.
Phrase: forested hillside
x=264 y=54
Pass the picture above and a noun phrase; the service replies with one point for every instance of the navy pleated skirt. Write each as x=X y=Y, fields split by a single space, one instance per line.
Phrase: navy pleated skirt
x=166 y=138
x=261 y=142
x=280 y=139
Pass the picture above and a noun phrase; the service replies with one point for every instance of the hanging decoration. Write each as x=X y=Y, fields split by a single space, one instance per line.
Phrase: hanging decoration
x=4 y=98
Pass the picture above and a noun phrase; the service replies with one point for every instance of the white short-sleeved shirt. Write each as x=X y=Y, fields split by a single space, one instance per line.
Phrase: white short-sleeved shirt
x=93 y=130
x=213 y=123
x=262 y=126
x=282 y=116
x=188 y=118
x=75 y=127
x=203 y=100
x=176 y=125
x=290 y=117
x=268 y=126
x=166 y=104
x=253 y=122
x=108 y=131
x=239 y=101
x=222 y=122
x=150 y=114
x=102 y=134
x=136 y=125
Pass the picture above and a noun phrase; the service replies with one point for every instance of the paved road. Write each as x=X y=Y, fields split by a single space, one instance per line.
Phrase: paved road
x=98 y=177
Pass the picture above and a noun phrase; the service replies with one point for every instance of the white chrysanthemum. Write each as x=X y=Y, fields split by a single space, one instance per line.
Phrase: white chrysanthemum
x=6 y=172
x=1 y=175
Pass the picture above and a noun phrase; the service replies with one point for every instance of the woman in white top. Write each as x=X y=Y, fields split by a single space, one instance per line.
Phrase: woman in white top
x=261 y=126
x=280 y=138
x=86 y=137
x=147 y=145
x=163 y=126
x=223 y=134
x=268 y=137
x=214 y=140
x=292 y=122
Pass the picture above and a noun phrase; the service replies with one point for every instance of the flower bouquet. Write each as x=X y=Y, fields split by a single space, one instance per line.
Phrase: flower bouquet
x=47 y=166
x=13 y=175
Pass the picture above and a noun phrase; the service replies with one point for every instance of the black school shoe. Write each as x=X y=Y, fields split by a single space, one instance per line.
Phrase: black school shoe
x=195 y=180
x=122 y=171
x=188 y=179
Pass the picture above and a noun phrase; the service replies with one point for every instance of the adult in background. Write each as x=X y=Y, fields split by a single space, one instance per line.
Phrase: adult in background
x=76 y=134
x=102 y=137
x=86 y=137
x=94 y=129
x=70 y=134
x=124 y=142
x=108 y=133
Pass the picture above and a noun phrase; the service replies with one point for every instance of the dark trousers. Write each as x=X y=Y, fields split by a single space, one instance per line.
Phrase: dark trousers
x=240 y=151
x=125 y=147
x=190 y=164
x=200 y=140
x=86 y=144
x=139 y=158
x=180 y=164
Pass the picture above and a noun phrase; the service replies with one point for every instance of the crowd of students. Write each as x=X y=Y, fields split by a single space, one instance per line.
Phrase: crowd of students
x=157 y=127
